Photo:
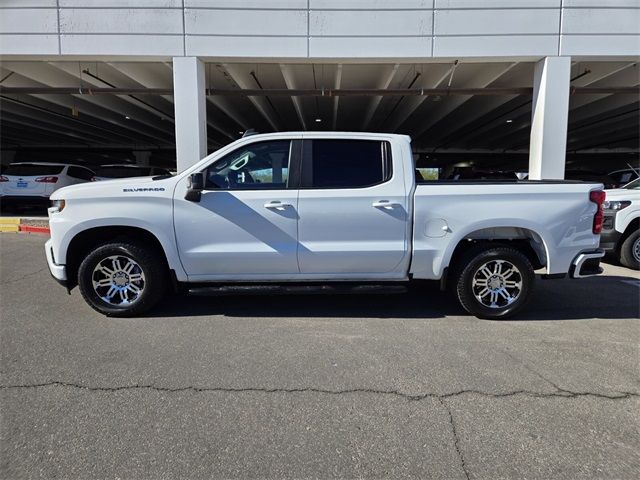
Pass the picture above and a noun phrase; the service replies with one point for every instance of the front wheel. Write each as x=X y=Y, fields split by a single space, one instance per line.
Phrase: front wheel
x=495 y=283
x=630 y=251
x=122 y=279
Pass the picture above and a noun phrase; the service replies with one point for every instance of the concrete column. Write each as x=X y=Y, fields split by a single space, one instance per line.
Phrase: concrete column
x=190 y=111
x=549 y=118
x=142 y=157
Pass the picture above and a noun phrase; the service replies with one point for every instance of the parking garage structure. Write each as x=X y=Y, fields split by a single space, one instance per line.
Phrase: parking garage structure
x=539 y=87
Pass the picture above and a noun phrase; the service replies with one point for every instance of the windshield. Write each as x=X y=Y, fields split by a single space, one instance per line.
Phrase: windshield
x=635 y=185
x=32 y=170
x=123 y=172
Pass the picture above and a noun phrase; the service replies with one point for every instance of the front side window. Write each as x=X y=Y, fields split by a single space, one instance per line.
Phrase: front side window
x=348 y=164
x=261 y=165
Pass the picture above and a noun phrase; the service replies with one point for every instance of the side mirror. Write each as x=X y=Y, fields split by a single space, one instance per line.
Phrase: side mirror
x=195 y=187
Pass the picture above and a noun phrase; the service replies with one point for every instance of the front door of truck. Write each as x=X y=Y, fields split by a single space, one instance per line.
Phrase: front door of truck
x=353 y=209
x=245 y=224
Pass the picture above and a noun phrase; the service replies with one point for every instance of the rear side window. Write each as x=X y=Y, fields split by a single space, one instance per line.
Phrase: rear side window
x=346 y=164
x=81 y=173
x=30 y=170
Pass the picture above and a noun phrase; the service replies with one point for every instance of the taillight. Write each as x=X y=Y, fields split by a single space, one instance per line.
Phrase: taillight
x=3 y=178
x=47 y=179
x=597 y=197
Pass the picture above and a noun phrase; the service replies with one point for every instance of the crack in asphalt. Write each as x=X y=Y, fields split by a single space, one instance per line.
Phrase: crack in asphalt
x=26 y=275
x=456 y=439
x=560 y=393
x=440 y=398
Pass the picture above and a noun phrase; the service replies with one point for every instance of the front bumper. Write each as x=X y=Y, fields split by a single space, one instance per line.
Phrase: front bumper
x=58 y=272
x=587 y=264
x=610 y=236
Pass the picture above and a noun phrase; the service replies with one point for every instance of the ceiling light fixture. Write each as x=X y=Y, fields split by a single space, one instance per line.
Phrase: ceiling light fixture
x=318 y=120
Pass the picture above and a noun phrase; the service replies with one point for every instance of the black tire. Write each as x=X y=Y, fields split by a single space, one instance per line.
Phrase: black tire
x=627 y=256
x=149 y=261
x=469 y=267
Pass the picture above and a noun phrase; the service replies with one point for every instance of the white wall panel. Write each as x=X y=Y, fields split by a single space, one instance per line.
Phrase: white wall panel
x=367 y=47
x=495 y=46
x=325 y=28
x=28 y=20
x=122 y=3
x=29 y=44
x=240 y=4
x=246 y=22
x=603 y=45
x=374 y=23
x=135 y=21
x=221 y=46
x=495 y=22
x=28 y=3
x=600 y=20
x=600 y=3
x=444 y=4
x=370 y=4
x=162 y=45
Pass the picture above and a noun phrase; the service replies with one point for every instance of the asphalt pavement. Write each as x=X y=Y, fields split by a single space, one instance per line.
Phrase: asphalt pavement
x=403 y=386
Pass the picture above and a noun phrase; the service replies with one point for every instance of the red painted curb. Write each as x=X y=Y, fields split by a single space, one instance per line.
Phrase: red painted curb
x=30 y=229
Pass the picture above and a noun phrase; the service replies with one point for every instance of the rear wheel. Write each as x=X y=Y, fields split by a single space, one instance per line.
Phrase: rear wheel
x=494 y=282
x=122 y=279
x=630 y=251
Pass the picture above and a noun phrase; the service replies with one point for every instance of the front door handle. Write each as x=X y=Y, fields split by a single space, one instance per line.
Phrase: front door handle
x=277 y=205
x=386 y=204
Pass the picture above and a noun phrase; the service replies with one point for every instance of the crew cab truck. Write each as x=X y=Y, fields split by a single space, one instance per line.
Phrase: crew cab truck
x=621 y=227
x=319 y=211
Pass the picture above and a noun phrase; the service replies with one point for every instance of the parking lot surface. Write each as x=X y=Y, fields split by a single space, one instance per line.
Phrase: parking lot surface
x=317 y=387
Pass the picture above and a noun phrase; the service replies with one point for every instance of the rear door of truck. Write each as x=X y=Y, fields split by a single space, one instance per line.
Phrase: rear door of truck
x=353 y=209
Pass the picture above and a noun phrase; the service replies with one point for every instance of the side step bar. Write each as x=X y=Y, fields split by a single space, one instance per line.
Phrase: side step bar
x=297 y=289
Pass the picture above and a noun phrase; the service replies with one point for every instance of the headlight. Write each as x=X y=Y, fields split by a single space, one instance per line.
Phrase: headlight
x=615 y=204
x=56 y=206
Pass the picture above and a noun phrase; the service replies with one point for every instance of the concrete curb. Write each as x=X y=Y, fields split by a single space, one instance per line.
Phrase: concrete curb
x=26 y=225
x=32 y=229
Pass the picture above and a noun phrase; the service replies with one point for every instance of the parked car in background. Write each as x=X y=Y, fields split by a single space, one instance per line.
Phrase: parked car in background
x=621 y=226
x=470 y=173
x=591 y=177
x=623 y=177
x=31 y=183
x=109 y=172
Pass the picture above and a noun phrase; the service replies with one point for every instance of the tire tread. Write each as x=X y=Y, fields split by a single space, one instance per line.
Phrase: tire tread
x=155 y=272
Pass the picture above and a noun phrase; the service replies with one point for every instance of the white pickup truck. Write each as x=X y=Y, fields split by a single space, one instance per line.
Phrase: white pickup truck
x=319 y=212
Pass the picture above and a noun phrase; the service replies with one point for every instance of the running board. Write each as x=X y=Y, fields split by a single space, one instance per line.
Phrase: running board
x=284 y=289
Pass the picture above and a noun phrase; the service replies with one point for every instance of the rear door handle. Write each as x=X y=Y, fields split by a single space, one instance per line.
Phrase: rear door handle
x=277 y=205
x=386 y=204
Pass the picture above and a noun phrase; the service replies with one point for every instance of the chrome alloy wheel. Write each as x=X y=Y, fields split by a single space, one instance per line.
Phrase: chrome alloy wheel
x=118 y=280
x=636 y=250
x=497 y=284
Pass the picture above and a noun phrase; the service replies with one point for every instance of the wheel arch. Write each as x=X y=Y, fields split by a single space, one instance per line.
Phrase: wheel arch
x=523 y=238
x=632 y=226
x=83 y=241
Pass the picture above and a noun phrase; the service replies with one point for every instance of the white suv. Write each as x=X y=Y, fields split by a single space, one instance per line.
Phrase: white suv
x=621 y=227
x=33 y=183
